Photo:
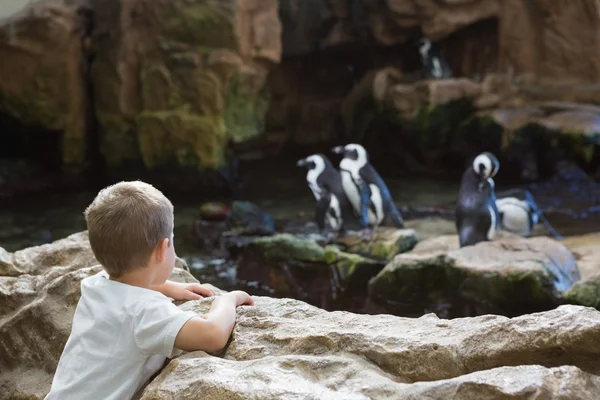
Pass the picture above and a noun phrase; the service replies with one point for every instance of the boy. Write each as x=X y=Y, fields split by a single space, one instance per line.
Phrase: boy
x=124 y=324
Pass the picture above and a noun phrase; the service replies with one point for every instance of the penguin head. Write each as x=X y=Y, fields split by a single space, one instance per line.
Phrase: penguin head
x=312 y=162
x=486 y=165
x=352 y=151
x=424 y=46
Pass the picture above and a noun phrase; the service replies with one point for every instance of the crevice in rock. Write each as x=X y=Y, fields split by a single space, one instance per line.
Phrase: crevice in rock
x=96 y=163
x=29 y=155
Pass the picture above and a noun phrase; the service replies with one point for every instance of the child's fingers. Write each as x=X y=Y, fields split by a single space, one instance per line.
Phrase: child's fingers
x=192 y=296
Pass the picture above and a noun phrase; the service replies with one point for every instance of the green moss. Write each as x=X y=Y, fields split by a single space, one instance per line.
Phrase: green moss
x=585 y=293
x=435 y=127
x=245 y=110
x=430 y=281
x=177 y=135
x=206 y=24
x=386 y=243
x=39 y=102
x=287 y=246
x=355 y=271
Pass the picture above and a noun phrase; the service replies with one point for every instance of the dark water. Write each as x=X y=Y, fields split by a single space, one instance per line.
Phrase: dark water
x=572 y=209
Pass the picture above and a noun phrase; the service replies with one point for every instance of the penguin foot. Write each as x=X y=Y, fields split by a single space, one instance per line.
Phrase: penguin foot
x=366 y=234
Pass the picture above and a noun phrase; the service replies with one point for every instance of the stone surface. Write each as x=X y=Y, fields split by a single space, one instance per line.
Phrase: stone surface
x=43 y=65
x=174 y=89
x=299 y=267
x=73 y=251
x=586 y=249
x=36 y=309
x=384 y=245
x=544 y=40
x=287 y=349
x=310 y=26
x=351 y=378
x=508 y=276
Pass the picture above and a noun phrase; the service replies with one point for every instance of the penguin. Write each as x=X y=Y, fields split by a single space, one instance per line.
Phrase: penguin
x=366 y=191
x=477 y=217
x=325 y=183
x=435 y=66
x=519 y=213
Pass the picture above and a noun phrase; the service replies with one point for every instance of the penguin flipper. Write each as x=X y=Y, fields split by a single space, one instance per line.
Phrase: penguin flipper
x=365 y=201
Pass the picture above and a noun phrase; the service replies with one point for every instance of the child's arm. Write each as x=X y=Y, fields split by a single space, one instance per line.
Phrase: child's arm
x=184 y=291
x=211 y=332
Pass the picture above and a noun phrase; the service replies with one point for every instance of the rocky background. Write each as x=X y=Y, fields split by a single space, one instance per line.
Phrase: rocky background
x=161 y=86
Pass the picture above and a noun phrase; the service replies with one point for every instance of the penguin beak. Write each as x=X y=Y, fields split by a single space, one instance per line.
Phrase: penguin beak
x=338 y=150
x=301 y=163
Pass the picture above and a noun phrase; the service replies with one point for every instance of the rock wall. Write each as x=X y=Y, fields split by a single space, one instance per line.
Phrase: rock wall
x=167 y=82
x=43 y=70
x=175 y=82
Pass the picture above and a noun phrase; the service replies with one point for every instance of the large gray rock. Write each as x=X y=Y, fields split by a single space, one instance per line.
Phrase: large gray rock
x=298 y=267
x=586 y=249
x=509 y=276
x=36 y=310
x=74 y=250
x=288 y=349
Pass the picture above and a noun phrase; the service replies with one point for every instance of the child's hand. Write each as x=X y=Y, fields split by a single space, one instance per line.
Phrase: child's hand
x=242 y=298
x=192 y=291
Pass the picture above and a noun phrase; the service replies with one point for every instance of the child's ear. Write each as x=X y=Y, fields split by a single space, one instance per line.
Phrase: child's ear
x=161 y=249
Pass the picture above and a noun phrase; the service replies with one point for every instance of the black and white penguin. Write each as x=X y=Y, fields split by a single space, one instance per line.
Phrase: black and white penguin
x=325 y=183
x=435 y=66
x=477 y=215
x=519 y=213
x=366 y=191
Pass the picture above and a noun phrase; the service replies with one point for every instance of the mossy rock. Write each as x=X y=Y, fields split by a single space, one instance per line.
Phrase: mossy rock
x=285 y=246
x=298 y=267
x=385 y=244
x=189 y=139
x=510 y=276
x=585 y=292
x=355 y=270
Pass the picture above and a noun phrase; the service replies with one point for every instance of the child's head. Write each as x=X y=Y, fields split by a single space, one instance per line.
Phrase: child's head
x=130 y=225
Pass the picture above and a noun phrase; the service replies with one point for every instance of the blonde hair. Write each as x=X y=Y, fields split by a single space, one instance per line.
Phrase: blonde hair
x=125 y=222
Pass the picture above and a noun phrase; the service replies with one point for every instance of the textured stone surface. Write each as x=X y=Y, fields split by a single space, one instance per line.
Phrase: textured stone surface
x=37 y=302
x=508 y=276
x=176 y=79
x=586 y=249
x=383 y=246
x=42 y=65
x=287 y=349
x=73 y=251
x=551 y=42
x=283 y=348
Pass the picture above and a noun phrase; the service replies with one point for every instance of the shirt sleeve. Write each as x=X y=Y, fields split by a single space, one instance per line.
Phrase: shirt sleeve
x=156 y=325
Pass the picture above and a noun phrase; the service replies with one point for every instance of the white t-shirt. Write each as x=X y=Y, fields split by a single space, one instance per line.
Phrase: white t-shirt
x=121 y=335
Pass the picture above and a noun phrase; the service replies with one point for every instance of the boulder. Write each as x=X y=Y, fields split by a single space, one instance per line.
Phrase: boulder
x=288 y=349
x=43 y=66
x=586 y=249
x=74 y=251
x=284 y=348
x=176 y=80
x=298 y=267
x=247 y=218
x=509 y=276
x=550 y=49
x=37 y=302
x=383 y=246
